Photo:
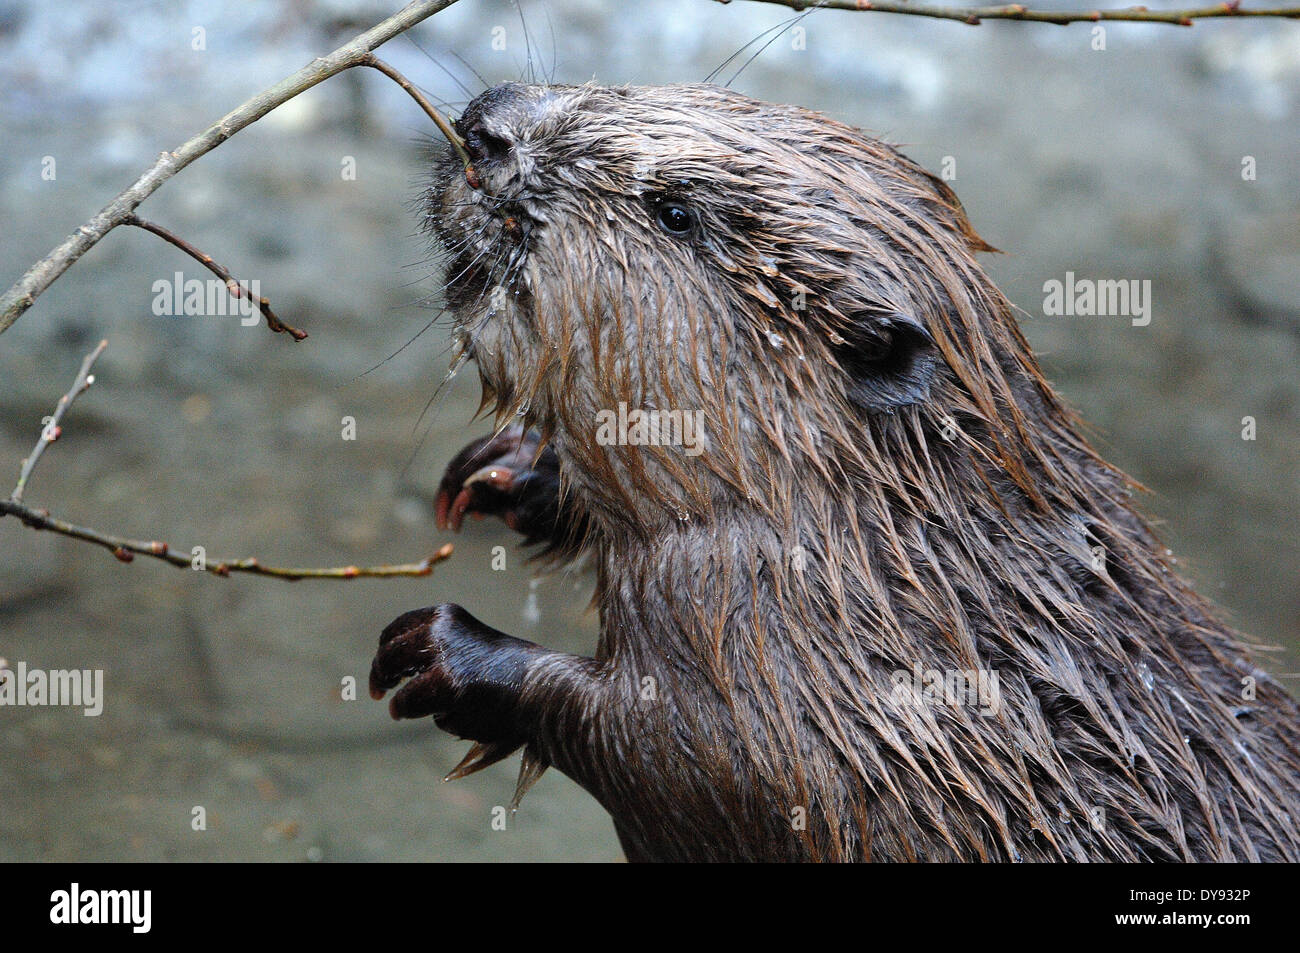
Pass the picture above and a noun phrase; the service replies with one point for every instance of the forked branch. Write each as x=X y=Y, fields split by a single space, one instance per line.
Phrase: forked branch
x=356 y=52
x=196 y=559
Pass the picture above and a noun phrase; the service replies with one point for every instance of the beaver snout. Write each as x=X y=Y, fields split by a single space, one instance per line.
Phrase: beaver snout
x=494 y=120
x=485 y=145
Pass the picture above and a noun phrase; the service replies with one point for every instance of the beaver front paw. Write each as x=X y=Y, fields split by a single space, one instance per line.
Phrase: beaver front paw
x=465 y=674
x=503 y=475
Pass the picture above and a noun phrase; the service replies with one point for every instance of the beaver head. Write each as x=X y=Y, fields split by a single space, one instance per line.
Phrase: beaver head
x=688 y=249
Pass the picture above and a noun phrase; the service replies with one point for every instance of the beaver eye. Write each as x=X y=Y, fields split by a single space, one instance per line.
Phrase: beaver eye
x=675 y=218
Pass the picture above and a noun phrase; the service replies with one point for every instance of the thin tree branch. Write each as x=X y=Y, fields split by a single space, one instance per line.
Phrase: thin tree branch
x=974 y=15
x=51 y=431
x=355 y=52
x=127 y=549
x=444 y=127
x=236 y=289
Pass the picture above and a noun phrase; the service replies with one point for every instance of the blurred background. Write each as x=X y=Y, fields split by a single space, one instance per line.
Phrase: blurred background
x=1122 y=162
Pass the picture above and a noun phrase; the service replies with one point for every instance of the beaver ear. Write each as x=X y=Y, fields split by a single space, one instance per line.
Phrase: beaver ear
x=889 y=358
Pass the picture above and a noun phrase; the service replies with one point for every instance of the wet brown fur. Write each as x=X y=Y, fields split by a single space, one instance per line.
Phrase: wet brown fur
x=757 y=601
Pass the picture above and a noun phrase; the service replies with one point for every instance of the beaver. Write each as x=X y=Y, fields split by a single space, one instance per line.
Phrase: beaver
x=893 y=606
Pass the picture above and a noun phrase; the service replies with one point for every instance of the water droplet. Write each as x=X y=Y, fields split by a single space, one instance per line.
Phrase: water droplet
x=1144 y=673
x=532 y=611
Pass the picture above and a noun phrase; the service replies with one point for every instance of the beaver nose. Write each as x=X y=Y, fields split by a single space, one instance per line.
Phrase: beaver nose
x=486 y=145
x=490 y=122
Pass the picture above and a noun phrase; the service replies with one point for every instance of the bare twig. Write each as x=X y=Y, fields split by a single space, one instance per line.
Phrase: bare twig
x=974 y=15
x=355 y=52
x=51 y=431
x=444 y=127
x=236 y=289
x=127 y=549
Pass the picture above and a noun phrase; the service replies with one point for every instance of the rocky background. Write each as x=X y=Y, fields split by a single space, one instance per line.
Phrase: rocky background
x=1122 y=162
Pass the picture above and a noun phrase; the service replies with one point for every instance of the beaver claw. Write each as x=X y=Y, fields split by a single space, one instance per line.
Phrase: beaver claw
x=464 y=674
x=503 y=475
